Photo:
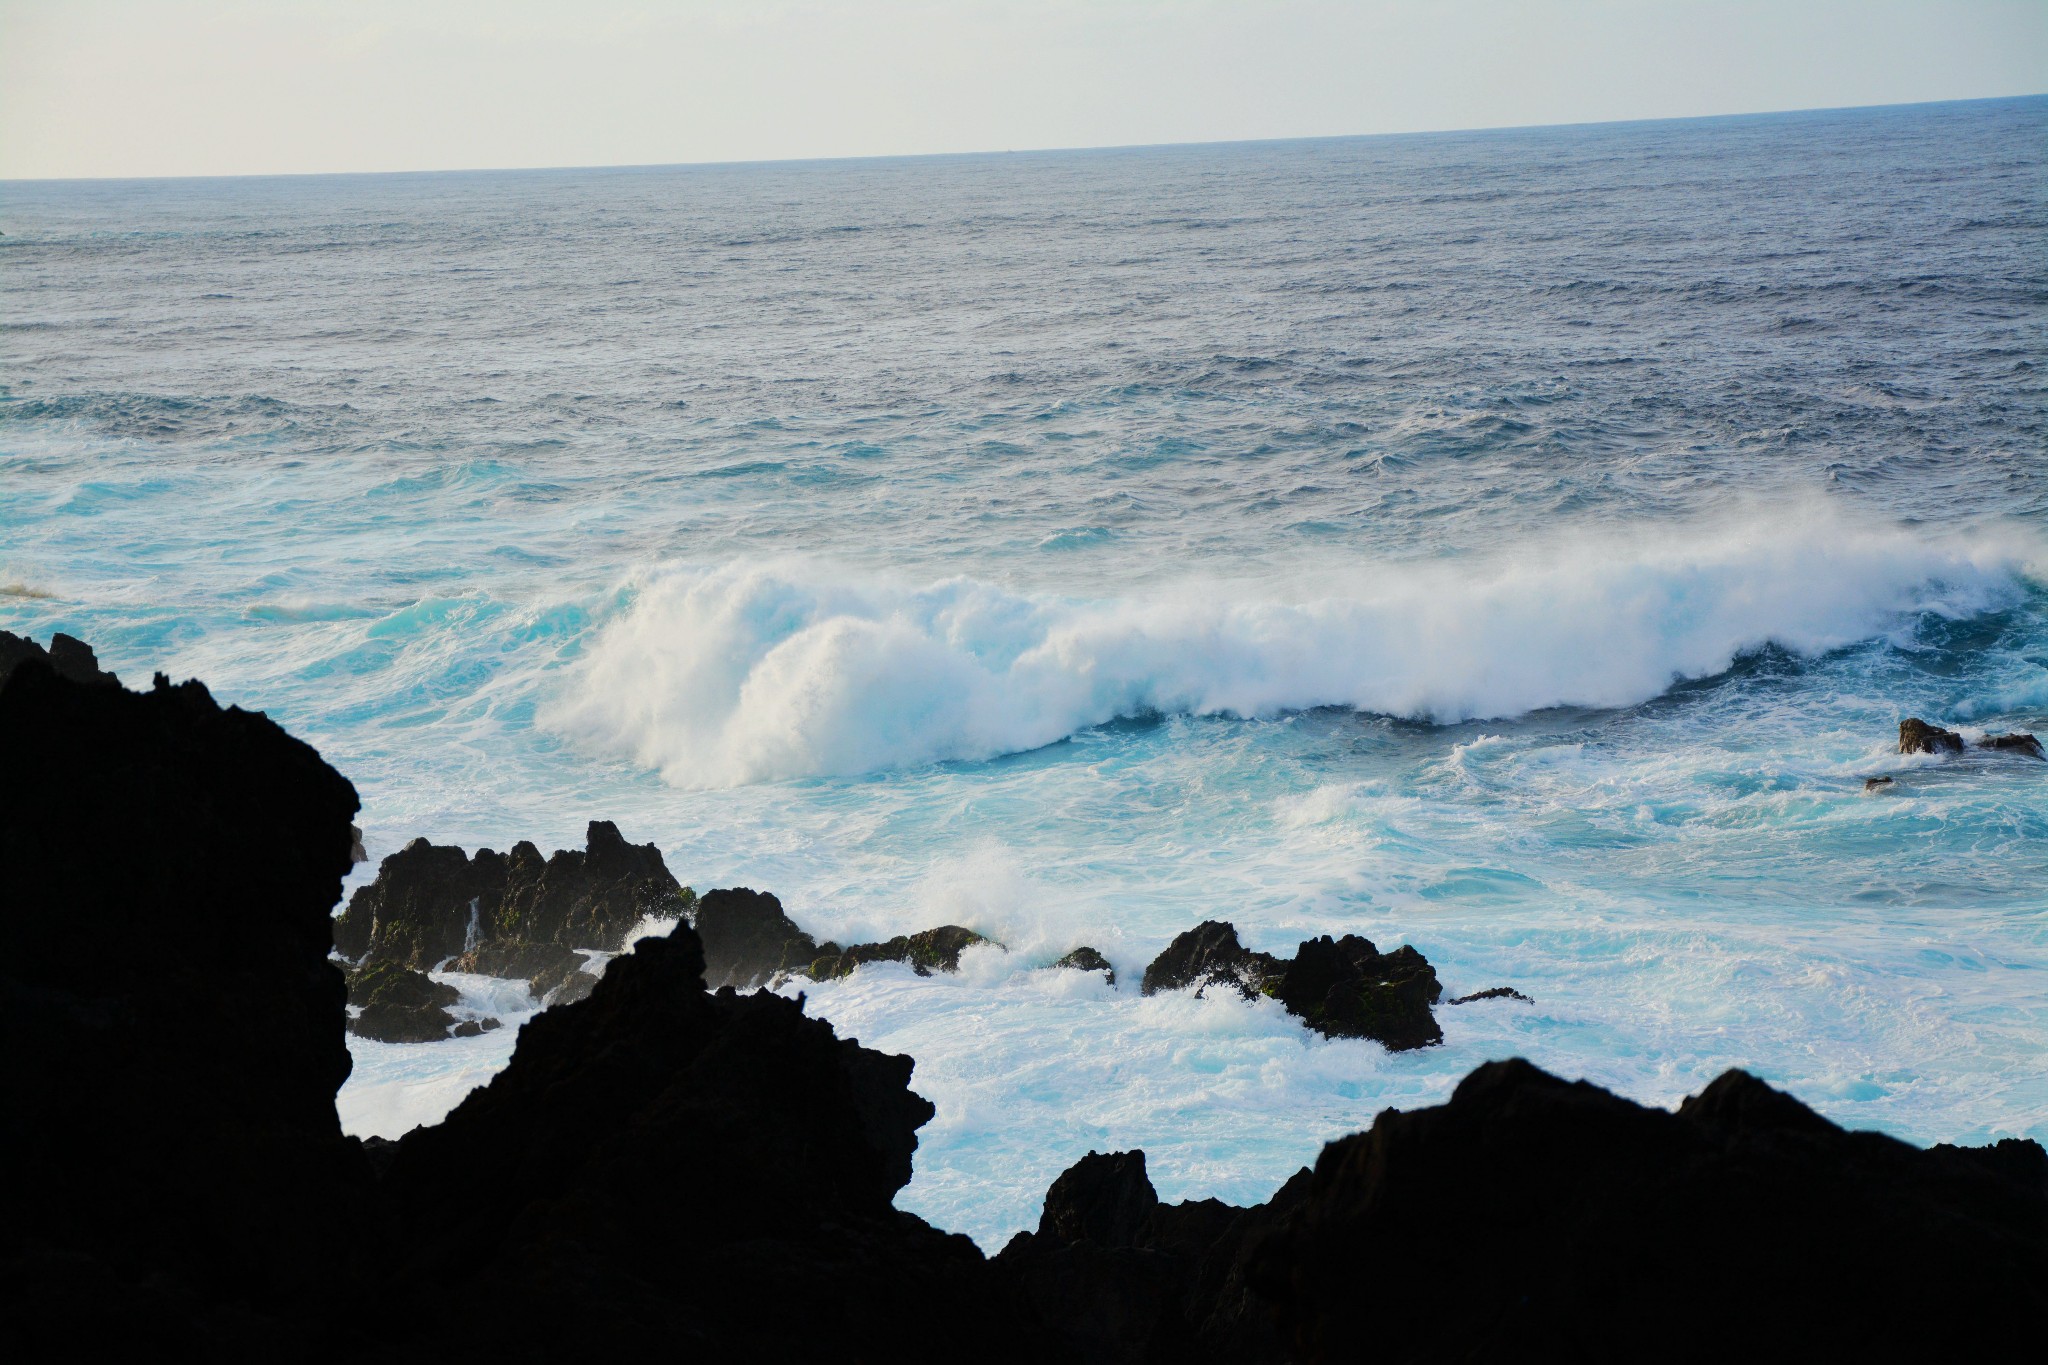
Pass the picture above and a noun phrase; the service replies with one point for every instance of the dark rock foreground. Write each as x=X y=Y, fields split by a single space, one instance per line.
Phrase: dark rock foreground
x=665 y=1171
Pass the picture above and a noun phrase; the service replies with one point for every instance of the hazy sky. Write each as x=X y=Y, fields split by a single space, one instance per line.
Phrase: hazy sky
x=186 y=87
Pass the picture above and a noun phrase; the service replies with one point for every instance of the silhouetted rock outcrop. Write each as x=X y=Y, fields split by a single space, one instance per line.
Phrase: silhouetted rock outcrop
x=1114 y=1275
x=1532 y=1217
x=1916 y=736
x=695 y=1171
x=67 y=656
x=170 y=1025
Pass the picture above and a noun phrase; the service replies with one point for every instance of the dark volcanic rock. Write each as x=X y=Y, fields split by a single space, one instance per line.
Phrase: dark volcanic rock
x=748 y=939
x=1085 y=959
x=1877 y=784
x=1916 y=736
x=2018 y=742
x=1492 y=993
x=170 y=1026
x=1346 y=988
x=693 y=1171
x=432 y=903
x=400 y=1005
x=1209 y=954
x=932 y=950
x=67 y=656
x=1114 y=1275
x=1534 y=1218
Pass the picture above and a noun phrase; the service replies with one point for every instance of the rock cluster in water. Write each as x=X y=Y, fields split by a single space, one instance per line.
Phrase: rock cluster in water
x=1916 y=736
x=1345 y=987
x=514 y=915
x=667 y=1169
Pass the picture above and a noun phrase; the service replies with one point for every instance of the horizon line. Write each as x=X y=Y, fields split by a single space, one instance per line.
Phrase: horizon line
x=737 y=162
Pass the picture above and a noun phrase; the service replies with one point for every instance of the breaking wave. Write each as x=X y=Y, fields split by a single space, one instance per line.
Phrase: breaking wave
x=758 y=672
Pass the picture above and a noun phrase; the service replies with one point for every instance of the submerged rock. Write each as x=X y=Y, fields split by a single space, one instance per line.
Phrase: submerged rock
x=432 y=903
x=1877 y=784
x=1494 y=993
x=1532 y=1217
x=1207 y=955
x=400 y=1005
x=932 y=950
x=1916 y=736
x=2018 y=742
x=1086 y=959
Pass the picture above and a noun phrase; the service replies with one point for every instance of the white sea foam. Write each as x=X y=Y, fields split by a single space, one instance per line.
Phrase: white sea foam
x=759 y=672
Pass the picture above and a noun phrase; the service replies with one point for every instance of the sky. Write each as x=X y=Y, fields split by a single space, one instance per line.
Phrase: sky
x=235 y=87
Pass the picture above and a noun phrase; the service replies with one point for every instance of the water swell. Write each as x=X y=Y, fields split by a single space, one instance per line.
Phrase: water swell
x=760 y=672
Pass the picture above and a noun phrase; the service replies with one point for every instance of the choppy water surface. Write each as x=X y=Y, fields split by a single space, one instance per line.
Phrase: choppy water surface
x=1518 y=544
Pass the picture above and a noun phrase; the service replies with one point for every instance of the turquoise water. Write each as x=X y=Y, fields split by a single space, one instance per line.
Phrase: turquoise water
x=1521 y=545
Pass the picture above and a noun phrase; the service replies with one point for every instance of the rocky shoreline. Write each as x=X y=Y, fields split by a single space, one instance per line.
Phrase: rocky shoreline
x=670 y=1163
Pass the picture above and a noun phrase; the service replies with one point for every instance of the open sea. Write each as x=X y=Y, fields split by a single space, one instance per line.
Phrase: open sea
x=1518 y=544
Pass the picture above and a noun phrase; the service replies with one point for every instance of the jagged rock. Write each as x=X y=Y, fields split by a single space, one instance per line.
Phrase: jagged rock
x=1492 y=993
x=1209 y=954
x=170 y=1026
x=2018 y=742
x=564 y=983
x=400 y=1005
x=1085 y=959
x=1346 y=988
x=931 y=950
x=1114 y=1275
x=67 y=656
x=1916 y=736
x=1532 y=1217
x=748 y=939
x=432 y=903
x=1877 y=784
x=688 y=1169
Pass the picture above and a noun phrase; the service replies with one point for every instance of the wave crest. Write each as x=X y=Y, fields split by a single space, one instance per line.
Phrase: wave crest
x=749 y=673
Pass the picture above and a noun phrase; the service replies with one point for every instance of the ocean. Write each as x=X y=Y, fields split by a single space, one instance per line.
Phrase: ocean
x=1519 y=544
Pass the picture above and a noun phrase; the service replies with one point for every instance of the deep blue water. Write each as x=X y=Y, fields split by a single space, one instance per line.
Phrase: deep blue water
x=1520 y=544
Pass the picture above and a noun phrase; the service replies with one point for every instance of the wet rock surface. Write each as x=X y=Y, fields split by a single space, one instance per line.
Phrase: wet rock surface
x=1086 y=959
x=932 y=950
x=1210 y=955
x=399 y=1005
x=1343 y=988
x=1491 y=993
x=1916 y=736
x=2017 y=742
x=515 y=915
